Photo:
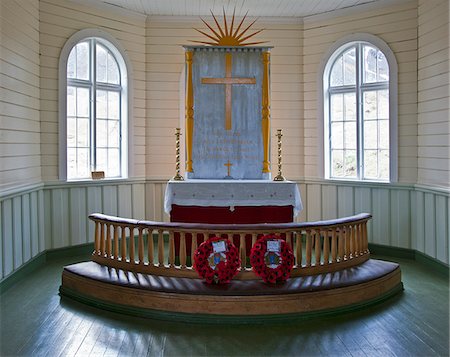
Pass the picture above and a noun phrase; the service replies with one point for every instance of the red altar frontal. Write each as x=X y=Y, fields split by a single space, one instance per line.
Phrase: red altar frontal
x=232 y=202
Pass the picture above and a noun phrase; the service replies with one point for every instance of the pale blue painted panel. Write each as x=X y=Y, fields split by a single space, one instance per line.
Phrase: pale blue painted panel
x=60 y=218
x=430 y=225
x=420 y=222
x=125 y=201
x=414 y=215
x=42 y=219
x=150 y=201
x=158 y=197
x=302 y=217
x=26 y=228
x=17 y=231
x=442 y=233
x=363 y=204
x=138 y=191
x=314 y=202
x=400 y=219
x=7 y=235
x=34 y=223
x=94 y=205
x=110 y=200
x=381 y=216
x=1 y=242
x=345 y=201
x=78 y=215
x=329 y=202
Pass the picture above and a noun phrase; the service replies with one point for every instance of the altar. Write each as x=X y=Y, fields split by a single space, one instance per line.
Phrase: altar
x=232 y=201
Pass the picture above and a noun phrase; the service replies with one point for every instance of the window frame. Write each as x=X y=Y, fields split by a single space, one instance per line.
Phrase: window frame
x=125 y=107
x=323 y=102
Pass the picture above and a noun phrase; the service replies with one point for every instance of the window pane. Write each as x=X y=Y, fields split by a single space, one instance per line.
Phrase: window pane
x=83 y=132
x=350 y=106
x=383 y=104
x=350 y=135
x=337 y=160
x=113 y=70
x=102 y=159
x=370 y=64
x=72 y=63
x=71 y=131
x=113 y=163
x=337 y=76
x=383 y=158
x=82 y=51
x=102 y=137
x=370 y=164
x=71 y=101
x=101 y=63
x=113 y=105
x=113 y=133
x=350 y=67
x=383 y=67
x=101 y=104
x=337 y=107
x=350 y=163
x=370 y=105
x=337 y=139
x=370 y=134
x=83 y=102
x=71 y=163
x=83 y=165
x=383 y=134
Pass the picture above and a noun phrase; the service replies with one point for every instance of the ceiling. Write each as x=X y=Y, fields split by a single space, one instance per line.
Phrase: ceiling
x=272 y=8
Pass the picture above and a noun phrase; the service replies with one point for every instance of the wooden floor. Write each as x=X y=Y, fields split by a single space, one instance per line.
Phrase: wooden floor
x=35 y=322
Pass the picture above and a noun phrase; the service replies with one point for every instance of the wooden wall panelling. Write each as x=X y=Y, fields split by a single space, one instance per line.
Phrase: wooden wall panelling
x=125 y=201
x=61 y=234
x=109 y=200
x=17 y=231
x=442 y=231
x=346 y=201
x=313 y=202
x=400 y=227
x=363 y=204
x=302 y=216
x=430 y=224
x=420 y=222
x=1 y=242
x=329 y=202
x=26 y=227
x=7 y=233
x=34 y=223
x=139 y=200
x=94 y=205
x=381 y=216
x=42 y=219
x=77 y=215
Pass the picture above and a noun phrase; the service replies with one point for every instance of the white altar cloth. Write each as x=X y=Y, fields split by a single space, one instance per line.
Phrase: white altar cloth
x=231 y=193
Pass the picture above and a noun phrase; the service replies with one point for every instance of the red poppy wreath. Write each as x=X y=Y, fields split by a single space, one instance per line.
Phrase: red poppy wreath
x=272 y=259
x=216 y=260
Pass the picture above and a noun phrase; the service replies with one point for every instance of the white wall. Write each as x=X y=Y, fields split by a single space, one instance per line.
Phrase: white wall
x=60 y=19
x=397 y=26
x=165 y=62
x=20 y=160
x=433 y=93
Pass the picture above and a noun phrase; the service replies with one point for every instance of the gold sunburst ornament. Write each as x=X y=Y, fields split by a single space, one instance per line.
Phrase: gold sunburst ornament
x=225 y=36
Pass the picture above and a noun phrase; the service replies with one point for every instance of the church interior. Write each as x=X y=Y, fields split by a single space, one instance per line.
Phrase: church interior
x=101 y=109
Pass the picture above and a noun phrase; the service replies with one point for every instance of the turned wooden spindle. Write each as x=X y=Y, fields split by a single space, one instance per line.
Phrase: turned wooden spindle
x=151 y=247
x=183 y=249
x=102 y=239
x=317 y=247
x=97 y=238
x=171 y=249
x=108 y=241
x=308 y=248
x=333 y=246
x=116 y=241
x=298 y=249
x=131 y=245
x=341 y=243
x=160 y=248
x=124 y=244
x=194 y=245
x=242 y=250
x=326 y=246
x=140 y=246
x=347 y=231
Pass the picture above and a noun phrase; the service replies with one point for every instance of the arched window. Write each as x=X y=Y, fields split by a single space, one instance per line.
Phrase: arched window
x=358 y=122
x=95 y=111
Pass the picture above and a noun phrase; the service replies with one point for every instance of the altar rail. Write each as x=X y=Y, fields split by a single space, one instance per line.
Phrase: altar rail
x=149 y=247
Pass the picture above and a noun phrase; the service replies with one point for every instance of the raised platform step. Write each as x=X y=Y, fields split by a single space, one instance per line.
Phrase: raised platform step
x=160 y=296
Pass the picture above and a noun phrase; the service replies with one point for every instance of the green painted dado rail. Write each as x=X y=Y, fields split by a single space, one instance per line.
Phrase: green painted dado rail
x=166 y=249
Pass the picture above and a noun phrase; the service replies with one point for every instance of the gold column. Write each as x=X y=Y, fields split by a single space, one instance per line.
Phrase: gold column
x=189 y=110
x=265 y=111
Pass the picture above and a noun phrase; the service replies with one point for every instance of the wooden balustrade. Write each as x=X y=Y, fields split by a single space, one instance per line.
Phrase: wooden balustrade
x=318 y=247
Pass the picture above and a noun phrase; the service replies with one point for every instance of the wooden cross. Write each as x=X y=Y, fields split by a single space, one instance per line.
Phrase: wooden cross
x=228 y=81
x=228 y=165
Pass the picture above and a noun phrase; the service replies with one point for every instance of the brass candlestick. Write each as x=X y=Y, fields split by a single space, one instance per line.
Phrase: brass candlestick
x=279 y=177
x=177 y=176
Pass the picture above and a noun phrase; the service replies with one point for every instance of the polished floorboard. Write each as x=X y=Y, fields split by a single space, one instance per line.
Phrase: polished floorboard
x=35 y=321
